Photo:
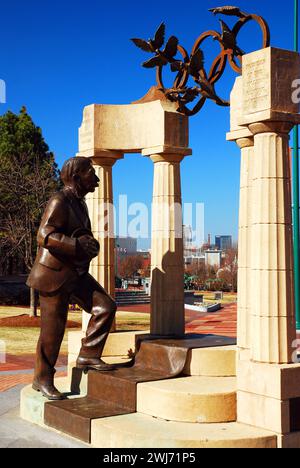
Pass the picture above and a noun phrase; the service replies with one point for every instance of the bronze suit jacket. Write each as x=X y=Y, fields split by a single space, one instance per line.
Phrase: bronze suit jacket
x=57 y=259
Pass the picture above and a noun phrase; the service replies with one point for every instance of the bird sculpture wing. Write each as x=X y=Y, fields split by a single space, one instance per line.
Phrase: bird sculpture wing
x=171 y=47
x=229 y=11
x=228 y=38
x=159 y=37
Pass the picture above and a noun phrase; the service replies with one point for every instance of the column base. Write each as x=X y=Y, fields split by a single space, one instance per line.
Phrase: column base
x=268 y=397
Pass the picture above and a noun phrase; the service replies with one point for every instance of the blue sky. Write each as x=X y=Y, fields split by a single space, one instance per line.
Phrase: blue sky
x=58 y=56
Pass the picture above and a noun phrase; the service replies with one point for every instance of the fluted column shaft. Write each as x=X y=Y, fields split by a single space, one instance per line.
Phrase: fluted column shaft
x=167 y=285
x=245 y=230
x=273 y=315
x=101 y=210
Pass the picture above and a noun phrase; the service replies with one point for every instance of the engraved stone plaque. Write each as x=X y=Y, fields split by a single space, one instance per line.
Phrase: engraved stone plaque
x=268 y=80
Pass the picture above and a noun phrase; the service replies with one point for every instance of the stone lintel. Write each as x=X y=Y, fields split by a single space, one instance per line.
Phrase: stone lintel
x=130 y=128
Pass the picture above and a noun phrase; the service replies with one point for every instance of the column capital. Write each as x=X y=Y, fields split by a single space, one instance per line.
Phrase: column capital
x=278 y=127
x=167 y=150
x=245 y=142
x=102 y=157
x=105 y=161
x=167 y=157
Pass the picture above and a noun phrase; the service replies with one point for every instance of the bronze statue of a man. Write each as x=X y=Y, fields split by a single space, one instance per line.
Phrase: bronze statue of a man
x=66 y=248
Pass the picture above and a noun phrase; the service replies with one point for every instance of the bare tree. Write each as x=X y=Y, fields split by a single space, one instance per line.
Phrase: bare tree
x=130 y=265
x=229 y=271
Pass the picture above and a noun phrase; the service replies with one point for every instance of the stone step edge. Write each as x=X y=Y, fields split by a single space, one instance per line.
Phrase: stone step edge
x=132 y=431
x=191 y=399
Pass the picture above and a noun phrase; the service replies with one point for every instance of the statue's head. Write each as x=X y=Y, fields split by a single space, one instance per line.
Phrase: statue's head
x=79 y=175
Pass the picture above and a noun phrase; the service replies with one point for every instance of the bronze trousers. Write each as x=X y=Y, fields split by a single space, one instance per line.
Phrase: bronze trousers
x=88 y=294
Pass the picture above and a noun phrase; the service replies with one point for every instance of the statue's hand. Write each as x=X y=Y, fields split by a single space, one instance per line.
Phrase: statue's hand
x=89 y=246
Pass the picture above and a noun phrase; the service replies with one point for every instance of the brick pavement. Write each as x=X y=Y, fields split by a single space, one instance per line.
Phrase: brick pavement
x=17 y=364
x=219 y=323
x=9 y=381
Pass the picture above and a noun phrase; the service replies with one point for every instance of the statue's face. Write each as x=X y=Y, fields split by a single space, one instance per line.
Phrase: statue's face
x=88 y=179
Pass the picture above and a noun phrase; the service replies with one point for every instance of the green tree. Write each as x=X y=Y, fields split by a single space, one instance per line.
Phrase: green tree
x=28 y=177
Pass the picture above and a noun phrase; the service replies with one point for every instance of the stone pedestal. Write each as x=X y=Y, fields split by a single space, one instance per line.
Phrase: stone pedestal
x=167 y=263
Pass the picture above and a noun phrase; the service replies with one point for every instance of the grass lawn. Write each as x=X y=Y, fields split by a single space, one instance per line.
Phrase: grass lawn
x=20 y=341
x=228 y=298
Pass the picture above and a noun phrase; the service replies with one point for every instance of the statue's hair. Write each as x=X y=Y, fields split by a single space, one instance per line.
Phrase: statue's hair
x=73 y=167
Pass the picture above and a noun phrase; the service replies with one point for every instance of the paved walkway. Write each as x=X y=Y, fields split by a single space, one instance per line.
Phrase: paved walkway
x=18 y=370
x=17 y=433
x=221 y=323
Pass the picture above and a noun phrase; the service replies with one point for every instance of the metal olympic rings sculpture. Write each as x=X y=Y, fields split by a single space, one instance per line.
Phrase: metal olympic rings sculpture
x=193 y=65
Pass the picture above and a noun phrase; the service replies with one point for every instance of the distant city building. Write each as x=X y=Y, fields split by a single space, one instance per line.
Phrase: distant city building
x=198 y=260
x=126 y=245
x=188 y=248
x=213 y=258
x=187 y=237
x=223 y=242
x=207 y=245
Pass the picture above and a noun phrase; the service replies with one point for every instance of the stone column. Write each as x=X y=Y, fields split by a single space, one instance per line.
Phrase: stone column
x=101 y=210
x=245 y=292
x=273 y=314
x=268 y=383
x=244 y=139
x=167 y=286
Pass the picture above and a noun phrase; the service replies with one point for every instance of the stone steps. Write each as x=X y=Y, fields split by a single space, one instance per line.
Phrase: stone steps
x=195 y=409
x=124 y=303
x=141 y=431
x=212 y=362
x=206 y=362
x=135 y=297
x=189 y=399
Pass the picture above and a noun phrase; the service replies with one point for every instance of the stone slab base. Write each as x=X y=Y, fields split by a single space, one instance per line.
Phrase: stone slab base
x=140 y=431
x=272 y=392
x=32 y=403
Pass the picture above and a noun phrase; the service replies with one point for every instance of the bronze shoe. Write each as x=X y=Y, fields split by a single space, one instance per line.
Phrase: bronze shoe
x=94 y=364
x=48 y=391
